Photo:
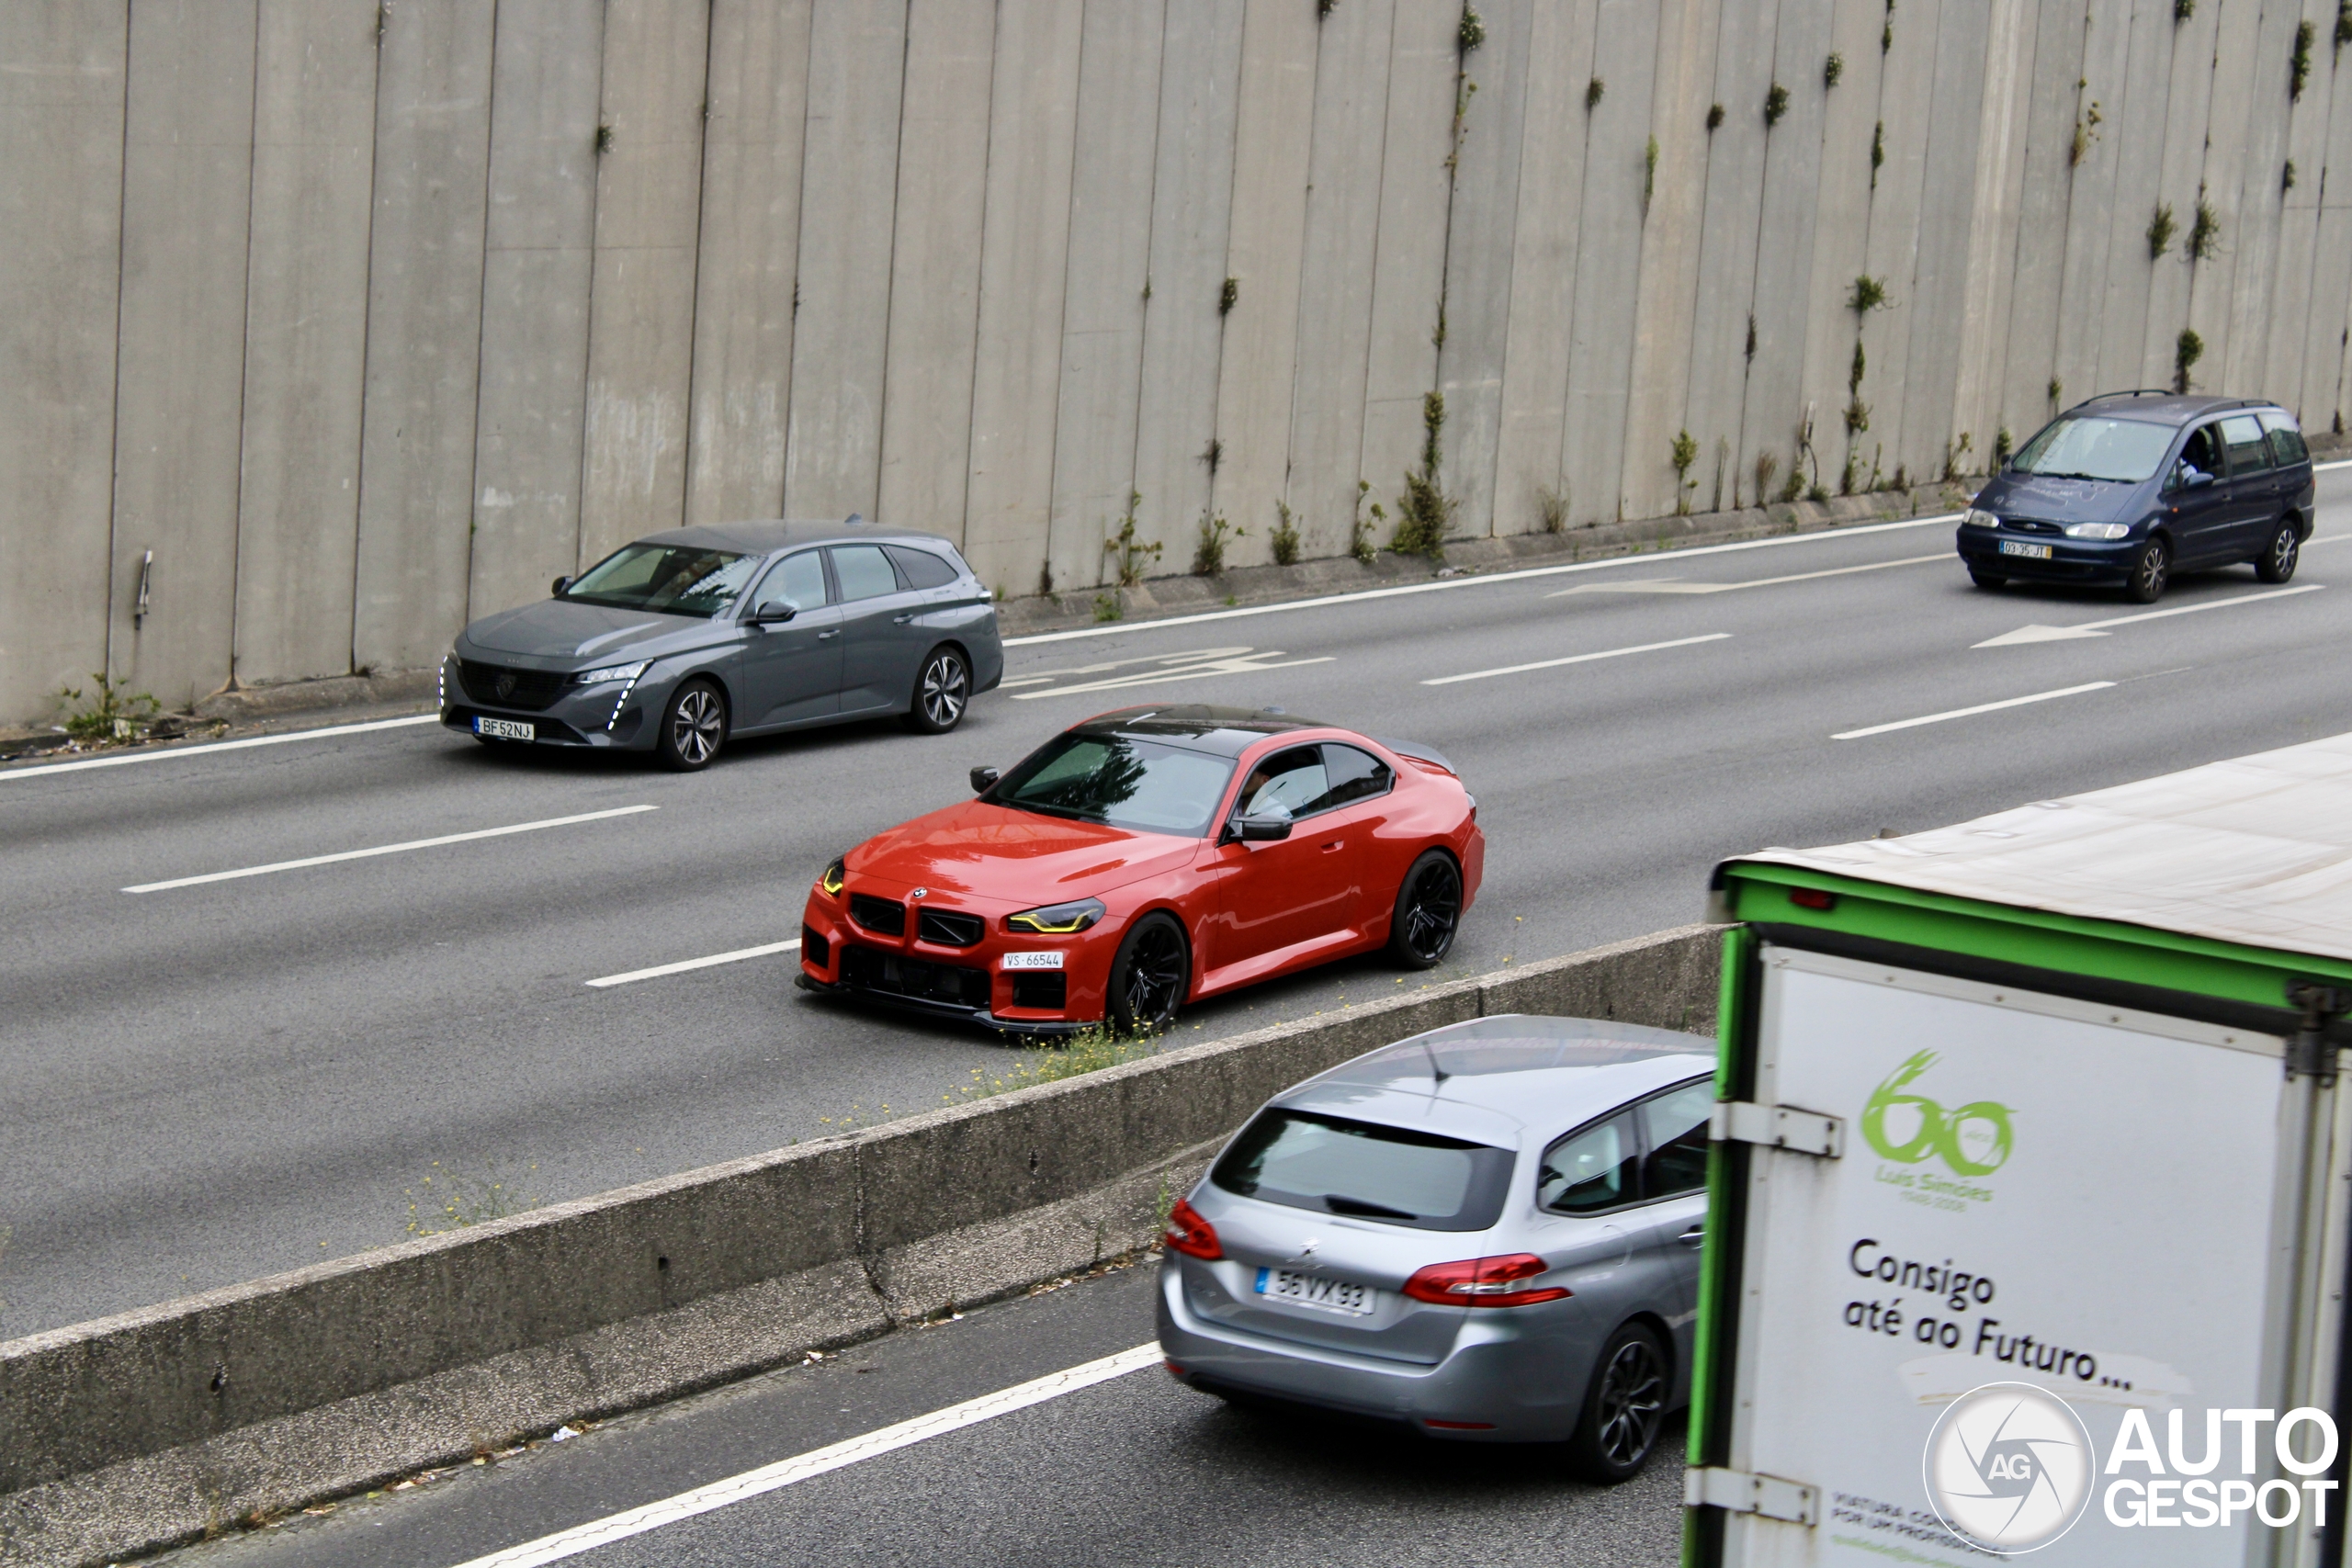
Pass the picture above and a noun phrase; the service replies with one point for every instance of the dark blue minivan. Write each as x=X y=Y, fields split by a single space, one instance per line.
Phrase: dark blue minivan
x=2130 y=487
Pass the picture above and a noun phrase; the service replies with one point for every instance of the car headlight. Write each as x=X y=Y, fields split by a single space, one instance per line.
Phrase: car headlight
x=833 y=876
x=1976 y=519
x=2098 y=530
x=610 y=674
x=1059 y=920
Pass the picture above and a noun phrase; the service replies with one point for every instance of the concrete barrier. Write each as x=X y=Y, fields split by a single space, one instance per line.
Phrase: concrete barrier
x=134 y=1432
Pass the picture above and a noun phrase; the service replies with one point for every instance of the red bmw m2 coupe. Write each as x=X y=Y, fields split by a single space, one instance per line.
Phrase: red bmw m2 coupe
x=1148 y=857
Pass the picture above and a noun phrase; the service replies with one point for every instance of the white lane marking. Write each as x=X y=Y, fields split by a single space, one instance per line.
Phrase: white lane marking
x=167 y=752
x=388 y=849
x=817 y=1461
x=1118 y=627
x=2339 y=463
x=1661 y=585
x=2098 y=629
x=686 y=964
x=1980 y=707
x=1575 y=658
x=1248 y=666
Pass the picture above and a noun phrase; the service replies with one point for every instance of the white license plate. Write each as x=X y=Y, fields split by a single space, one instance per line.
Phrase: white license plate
x=1034 y=960
x=1317 y=1290
x=505 y=729
x=2031 y=552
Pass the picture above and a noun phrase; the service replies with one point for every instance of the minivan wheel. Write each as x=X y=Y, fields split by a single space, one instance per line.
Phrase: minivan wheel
x=694 y=727
x=2277 y=561
x=942 y=690
x=1149 y=976
x=2151 y=570
x=1623 y=1408
x=1987 y=579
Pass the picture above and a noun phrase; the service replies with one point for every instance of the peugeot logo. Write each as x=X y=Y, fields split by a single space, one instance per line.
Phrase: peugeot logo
x=506 y=684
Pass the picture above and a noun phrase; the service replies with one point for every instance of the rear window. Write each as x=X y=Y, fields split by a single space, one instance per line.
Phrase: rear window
x=1394 y=1175
x=922 y=568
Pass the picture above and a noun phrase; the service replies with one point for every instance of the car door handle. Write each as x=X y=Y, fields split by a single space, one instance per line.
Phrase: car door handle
x=1694 y=1236
x=822 y=636
x=1335 y=844
x=902 y=620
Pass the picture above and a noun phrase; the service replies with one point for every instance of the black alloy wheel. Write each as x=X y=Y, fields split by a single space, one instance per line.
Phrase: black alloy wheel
x=694 y=727
x=1623 y=1408
x=1988 y=580
x=1428 y=912
x=943 y=691
x=2277 y=561
x=2151 y=570
x=1149 y=976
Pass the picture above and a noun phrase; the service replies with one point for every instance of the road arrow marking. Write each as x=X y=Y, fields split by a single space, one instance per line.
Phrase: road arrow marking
x=2098 y=629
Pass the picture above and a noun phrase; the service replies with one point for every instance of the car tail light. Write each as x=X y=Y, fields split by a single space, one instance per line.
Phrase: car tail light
x=1812 y=898
x=1483 y=1282
x=1190 y=1234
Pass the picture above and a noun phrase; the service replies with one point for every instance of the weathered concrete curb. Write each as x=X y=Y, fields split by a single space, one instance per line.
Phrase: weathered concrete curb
x=135 y=1432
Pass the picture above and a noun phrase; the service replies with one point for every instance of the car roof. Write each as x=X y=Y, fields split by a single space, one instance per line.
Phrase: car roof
x=2155 y=406
x=1228 y=731
x=1487 y=1078
x=763 y=538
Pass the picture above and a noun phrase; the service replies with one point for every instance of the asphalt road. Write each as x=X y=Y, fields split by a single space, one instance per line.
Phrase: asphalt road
x=1137 y=1470
x=209 y=1082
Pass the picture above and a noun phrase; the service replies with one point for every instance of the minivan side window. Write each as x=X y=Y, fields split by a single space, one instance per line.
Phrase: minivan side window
x=2203 y=452
x=2286 y=438
x=2249 y=453
x=1596 y=1169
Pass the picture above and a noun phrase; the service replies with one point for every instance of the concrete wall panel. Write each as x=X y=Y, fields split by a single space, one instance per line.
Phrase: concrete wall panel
x=306 y=337
x=1841 y=248
x=1408 y=258
x=856 y=71
x=1776 y=410
x=748 y=258
x=186 y=187
x=1907 y=89
x=641 y=300
x=1609 y=257
x=2138 y=132
x=424 y=277
x=2187 y=103
x=2261 y=194
x=1273 y=141
x=2013 y=275
x=1335 y=292
x=2285 y=315
x=1718 y=387
x=61 y=194
x=2251 y=45
x=2090 y=231
x=1031 y=150
x=1931 y=424
x=1109 y=261
x=1182 y=335
x=2322 y=402
x=537 y=272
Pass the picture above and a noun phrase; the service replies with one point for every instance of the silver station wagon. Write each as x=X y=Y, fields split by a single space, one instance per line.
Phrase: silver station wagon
x=681 y=639
x=1491 y=1232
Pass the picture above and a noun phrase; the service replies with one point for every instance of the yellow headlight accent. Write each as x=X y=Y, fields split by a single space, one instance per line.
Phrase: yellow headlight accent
x=831 y=880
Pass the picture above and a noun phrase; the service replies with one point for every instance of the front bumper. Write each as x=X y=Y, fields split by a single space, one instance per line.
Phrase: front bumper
x=610 y=716
x=1515 y=1390
x=967 y=984
x=2096 y=562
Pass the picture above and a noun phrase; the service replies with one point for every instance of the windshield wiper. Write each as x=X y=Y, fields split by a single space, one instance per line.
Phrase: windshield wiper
x=1341 y=1204
x=1067 y=813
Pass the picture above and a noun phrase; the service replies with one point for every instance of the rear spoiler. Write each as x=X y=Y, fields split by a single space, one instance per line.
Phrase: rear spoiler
x=1419 y=754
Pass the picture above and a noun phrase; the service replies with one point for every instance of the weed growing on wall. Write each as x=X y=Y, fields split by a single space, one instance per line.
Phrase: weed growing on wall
x=2182 y=10
x=1471 y=32
x=1089 y=1051
x=1592 y=91
x=1956 y=454
x=2086 y=126
x=1132 y=557
x=1776 y=104
x=1682 y=454
x=2160 y=228
x=1878 y=153
x=1714 y=118
x=113 y=714
x=2205 y=233
x=1284 y=538
x=1833 y=69
x=1552 y=507
x=1209 y=555
x=1361 y=543
x=2343 y=24
x=2299 y=62
x=2001 y=448
x=1228 y=296
x=1109 y=607
x=1425 y=512
x=2187 y=350
x=1649 y=173
x=2287 y=176
x=447 y=1199
x=2057 y=389
x=1767 y=466
x=1867 y=294
x=1752 y=337
x=1886 y=33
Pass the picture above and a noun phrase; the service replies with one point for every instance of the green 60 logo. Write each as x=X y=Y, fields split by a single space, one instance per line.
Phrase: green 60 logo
x=1972 y=1139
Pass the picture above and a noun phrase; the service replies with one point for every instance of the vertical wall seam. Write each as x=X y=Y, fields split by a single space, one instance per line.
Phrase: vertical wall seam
x=481 y=312
x=1232 y=188
x=1372 y=281
x=1306 y=209
x=799 y=229
x=588 y=305
x=694 y=301
x=245 y=359
x=890 y=272
x=367 y=331
x=979 y=293
x=1151 y=228
x=1061 y=329
x=121 y=251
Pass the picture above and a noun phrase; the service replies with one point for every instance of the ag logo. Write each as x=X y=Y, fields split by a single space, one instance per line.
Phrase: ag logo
x=1972 y=1139
x=2008 y=1467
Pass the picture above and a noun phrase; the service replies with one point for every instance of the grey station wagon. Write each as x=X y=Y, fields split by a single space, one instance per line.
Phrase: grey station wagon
x=1491 y=1232
x=675 y=642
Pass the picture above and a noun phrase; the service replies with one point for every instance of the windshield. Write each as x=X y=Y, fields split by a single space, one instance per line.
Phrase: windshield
x=1118 y=780
x=1337 y=1166
x=674 y=579
x=2123 y=449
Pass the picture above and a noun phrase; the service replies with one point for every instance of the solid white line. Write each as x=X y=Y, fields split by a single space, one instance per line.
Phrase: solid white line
x=1118 y=627
x=1981 y=708
x=686 y=964
x=2193 y=609
x=1576 y=658
x=2339 y=463
x=389 y=848
x=169 y=752
x=819 y=1462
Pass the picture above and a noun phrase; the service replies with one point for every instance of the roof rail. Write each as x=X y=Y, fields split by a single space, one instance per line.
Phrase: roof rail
x=2132 y=392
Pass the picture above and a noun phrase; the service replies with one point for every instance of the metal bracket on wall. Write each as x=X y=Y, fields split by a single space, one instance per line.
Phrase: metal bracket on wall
x=146 y=571
x=1777 y=1127
x=1736 y=1492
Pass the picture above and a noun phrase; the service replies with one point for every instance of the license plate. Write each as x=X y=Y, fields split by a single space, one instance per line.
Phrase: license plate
x=505 y=729
x=1034 y=960
x=2031 y=552
x=1317 y=1290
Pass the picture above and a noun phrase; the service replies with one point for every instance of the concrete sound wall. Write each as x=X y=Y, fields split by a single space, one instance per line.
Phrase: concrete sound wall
x=339 y=323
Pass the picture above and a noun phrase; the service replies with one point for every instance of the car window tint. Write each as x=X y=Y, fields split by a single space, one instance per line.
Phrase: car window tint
x=1674 y=1130
x=2202 y=451
x=2286 y=437
x=922 y=568
x=1596 y=1169
x=1335 y=1165
x=2087 y=447
x=800 y=578
x=863 y=572
x=1350 y=774
x=1118 y=779
x=2249 y=453
x=673 y=579
x=1286 y=782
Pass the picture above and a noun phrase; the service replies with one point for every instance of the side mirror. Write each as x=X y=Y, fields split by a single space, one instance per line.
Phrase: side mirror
x=559 y=585
x=983 y=780
x=1264 y=829
x=776 y=612
x=2196 y=476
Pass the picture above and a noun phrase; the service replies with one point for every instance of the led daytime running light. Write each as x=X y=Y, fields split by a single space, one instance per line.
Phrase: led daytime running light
x=1059 y=920
x=833 y=876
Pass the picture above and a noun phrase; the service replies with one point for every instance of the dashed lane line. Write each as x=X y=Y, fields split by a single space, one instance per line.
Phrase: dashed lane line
x=1575 y=658
x=386 y=850
x=1972 y=712
x=166 y=753
x=684 y=964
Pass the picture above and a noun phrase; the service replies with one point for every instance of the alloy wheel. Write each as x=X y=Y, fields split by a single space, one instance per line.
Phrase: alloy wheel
x=1434 y=910
x=946 y=686
x=1632 y=1401
x=2280 y=561
x=2150 y=572
x=696 y=724
x=1155 y=974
